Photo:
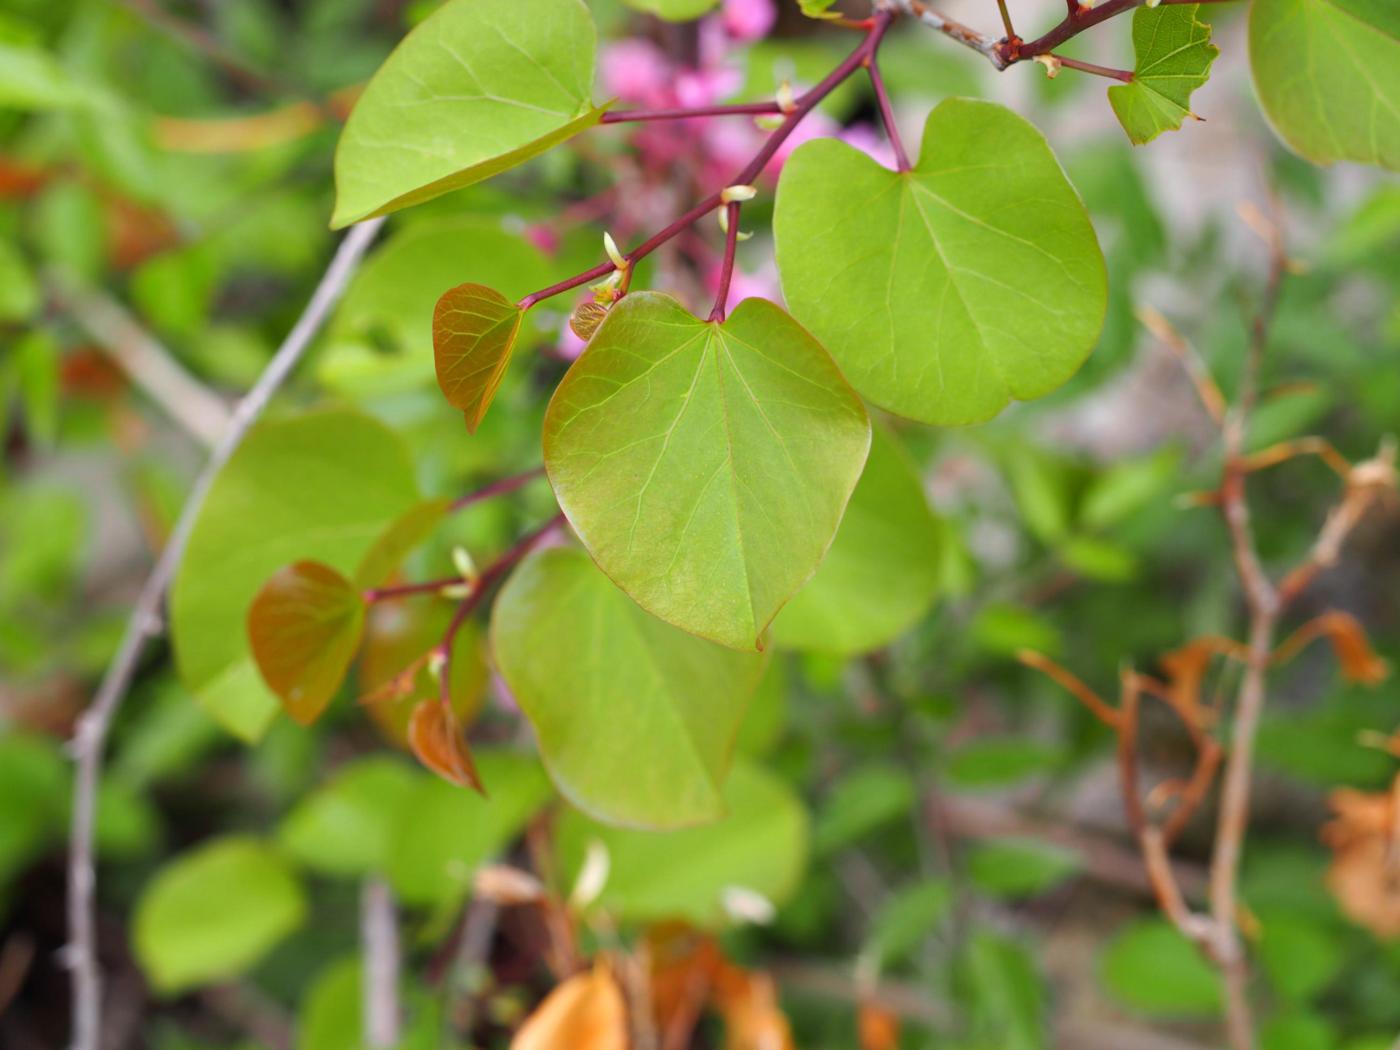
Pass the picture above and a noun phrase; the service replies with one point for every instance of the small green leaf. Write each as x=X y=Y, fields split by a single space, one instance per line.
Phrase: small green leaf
x=905 y=920
x=19 y=291
x=1174 y=54
x=444 y=833
x=635 y=719
x=945 y=291
x=760 y=846
x=1154 y=969
x=1019 y=867
x=1328 y=76
x=33 y=80
x=818 y=8
x=992 y=762
x=478 y=87
x=347 y=826
x=303 y=629
x=474 y=332
x=861 y=801
x=211 y=914
x=1301 y=955
x=324 y=484
x=705 y=466
x=882 y=571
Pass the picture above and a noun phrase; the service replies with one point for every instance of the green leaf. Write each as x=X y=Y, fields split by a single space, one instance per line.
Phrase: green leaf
x=818 y=8
x=635 y=719
x=705 y=466
x=882 y=571
x=478 y=87
x=347 y=826
x=444 y=833
x=331 y=1013
x=474 y=332
x=675 y=10
x=997 y=761
x=1155 y=970
x=1127 y=486
x=1301 y=955
x=1328 y=76
x=325 y=483
x=1019 y=867
x=861 y=801
x=760 y=846
x=945 y=291
x=19 y=291
x=304 y=627
x=211 y=914
x=33 y=80
x=1297 y=1030
x=1174 y=54
x=1006 y=994
x=905 y=920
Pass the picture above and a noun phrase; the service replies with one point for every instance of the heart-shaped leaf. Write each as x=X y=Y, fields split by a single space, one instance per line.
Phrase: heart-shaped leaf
x=303 y=628
x=1174 y=55
x=635 y=719
x=320 y=485
x=945 y=291
x=478 y=87
x=705 y=466
x=882 y=571
x=474 y=331
x=436 y=739
x=1328 y=76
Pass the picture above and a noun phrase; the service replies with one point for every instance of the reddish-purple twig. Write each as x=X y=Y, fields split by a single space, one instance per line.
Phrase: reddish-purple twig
x=882 y=97
x=624 y=116
x=731 y=241
x=497 y=488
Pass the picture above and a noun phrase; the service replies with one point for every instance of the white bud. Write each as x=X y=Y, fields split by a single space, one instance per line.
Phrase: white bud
x=436 y=663
x=462 y=560
x=742 y=235
x=456 y=592
x=592 y=877
x=786 y=101
x=768 y=122
x=732 y=194
x=745 y=905
x=610 y=246
x=1051 y=64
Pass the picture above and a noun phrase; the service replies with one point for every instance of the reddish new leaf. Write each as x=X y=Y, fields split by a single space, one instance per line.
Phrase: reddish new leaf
x=304 y=628
x=436 y=739
x=474 y=330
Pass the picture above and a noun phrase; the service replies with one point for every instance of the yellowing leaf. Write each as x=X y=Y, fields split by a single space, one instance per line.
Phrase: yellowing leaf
x=1174 y=54
x=474 y=331
x=586 y=1012
x=303 y=628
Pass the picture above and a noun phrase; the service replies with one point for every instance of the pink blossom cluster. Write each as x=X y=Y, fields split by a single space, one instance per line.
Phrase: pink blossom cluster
x=640 y=74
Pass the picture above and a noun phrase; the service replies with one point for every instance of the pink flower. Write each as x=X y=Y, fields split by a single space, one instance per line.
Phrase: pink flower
x=748 y=19
x=636 y=71
x=814 y=126
x=760 y=285
x=704 y=87
x=542 y=237
x=870 y=142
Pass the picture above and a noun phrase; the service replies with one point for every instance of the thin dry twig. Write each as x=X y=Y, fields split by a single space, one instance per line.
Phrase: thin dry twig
x=90 y=734
x=379 y=936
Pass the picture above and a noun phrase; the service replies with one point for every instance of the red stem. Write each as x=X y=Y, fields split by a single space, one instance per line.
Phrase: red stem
x=623 y=116
x=1125 y=75
x=407 y=590
x=731 y=240
x=497 y=488
x=864 y=52
x=882 y=96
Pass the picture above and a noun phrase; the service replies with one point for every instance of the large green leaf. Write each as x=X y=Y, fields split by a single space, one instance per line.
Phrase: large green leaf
x=443 y=834
x=478 y=87
x=211 y=914
x=323 y=484
x=635 y=719
x=760 y=847
x=474 y=330
x=1328 y=76
x=1152 y=968
x=882 y=571
x=945 y=291
x=1174 y=54
x=705 y=466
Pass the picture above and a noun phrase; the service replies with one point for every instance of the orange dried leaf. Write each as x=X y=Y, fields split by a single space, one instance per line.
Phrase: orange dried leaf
x=878 y=1027
x=586 y=1012
x=436 y=739
x=1359 y=662
x=304 y=627
x=474 y=330
x=1365 y=879
x=753 y=1020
